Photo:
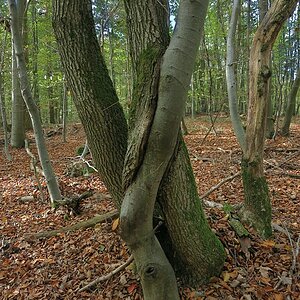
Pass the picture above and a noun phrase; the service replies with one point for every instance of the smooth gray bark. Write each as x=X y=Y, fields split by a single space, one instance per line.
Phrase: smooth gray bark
x=18 y=105
x=157 y=276
x=2 y=99
x=291 y=105
x=51 y=181
x=231 y=76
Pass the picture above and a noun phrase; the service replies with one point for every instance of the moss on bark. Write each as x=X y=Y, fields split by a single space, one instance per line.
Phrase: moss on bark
x=257 y=209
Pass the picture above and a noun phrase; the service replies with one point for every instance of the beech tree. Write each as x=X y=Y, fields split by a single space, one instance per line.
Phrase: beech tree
x=291 y=103
x=257 y=205
x=50 y=177
x=151 y=164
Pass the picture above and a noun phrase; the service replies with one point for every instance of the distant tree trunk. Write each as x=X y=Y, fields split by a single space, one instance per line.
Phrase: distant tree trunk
x=290 y=109
x=31 y=106
x=65 y=112
x=199 y=254
x=257 y=206
x=2 y=98
x=34 y=54
x=231 y=62
x=18 y=108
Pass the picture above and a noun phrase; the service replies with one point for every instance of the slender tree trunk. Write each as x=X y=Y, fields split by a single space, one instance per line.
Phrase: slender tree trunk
x=285 y=130
x=65 y=112
x=31 y=106
x=257 y=206
x=231 y=61
x=2 y=98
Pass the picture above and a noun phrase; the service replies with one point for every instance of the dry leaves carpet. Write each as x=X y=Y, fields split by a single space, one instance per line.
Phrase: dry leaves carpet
x=57 y=267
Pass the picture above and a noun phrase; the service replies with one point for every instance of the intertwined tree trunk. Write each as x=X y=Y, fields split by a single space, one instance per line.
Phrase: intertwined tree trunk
x=257 y=206
x=156 y=163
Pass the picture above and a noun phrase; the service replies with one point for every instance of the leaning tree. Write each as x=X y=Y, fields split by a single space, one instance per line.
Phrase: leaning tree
x=150 y=165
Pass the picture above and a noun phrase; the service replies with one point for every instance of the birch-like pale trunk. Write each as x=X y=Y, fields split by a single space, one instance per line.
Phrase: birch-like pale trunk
x=157 y=276
x=231 y=77
x=51 y=180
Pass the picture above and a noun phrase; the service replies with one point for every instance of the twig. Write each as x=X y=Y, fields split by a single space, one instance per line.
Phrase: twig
x=219 y=184
x=108 y=276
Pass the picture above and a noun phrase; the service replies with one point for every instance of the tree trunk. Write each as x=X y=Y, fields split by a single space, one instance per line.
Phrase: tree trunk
x=257 y=206
x=31 y=106
x=285 y=131
x=178 y=185
x=92 y=91
x=231 y=61
x=106 y=129
x=18 y=105
x=2 y=98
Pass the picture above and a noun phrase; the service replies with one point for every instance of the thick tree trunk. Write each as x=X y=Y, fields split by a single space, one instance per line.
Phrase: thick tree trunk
x=96 y=101
x=257 y=206
x=94 y=96
x=32 y=108
x=290 y=109
x=178 y=184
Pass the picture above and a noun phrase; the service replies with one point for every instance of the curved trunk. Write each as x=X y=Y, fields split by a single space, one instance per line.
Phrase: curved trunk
x=106 y=131
x=257 y=206
x=206 y=254
x=291 y=105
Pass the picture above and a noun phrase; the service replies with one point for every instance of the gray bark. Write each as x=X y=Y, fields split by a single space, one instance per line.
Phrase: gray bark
x=158 y=279
x=18 y=105
x=231 y=77
x=51 y=181
x=291 y=105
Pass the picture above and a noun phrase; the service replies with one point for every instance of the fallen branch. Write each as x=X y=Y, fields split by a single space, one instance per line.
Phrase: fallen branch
x=219 y=184
x=81 y=225
x=108 y=276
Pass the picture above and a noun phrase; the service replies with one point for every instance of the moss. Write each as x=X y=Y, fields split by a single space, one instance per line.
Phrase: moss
x=144 y=70
x=257 y=206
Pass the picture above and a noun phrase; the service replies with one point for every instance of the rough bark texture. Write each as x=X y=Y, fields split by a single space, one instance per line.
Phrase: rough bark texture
x=51 y=181
x=285 y=131
x=197 y=266
x=257 y=202
x=92 y=90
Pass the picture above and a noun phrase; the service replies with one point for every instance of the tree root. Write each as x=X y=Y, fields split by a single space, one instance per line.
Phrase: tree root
x=81 y=225
x=107 y=276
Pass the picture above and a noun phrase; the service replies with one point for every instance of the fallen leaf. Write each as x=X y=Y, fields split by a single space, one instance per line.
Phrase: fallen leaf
x=131 y=288
x=115 y=224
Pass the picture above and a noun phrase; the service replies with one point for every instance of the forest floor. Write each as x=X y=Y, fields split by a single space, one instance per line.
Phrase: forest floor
x=57 y=267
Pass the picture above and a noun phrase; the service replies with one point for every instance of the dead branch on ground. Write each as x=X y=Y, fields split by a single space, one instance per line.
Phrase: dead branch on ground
x=81 y=225
x=107 y=276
